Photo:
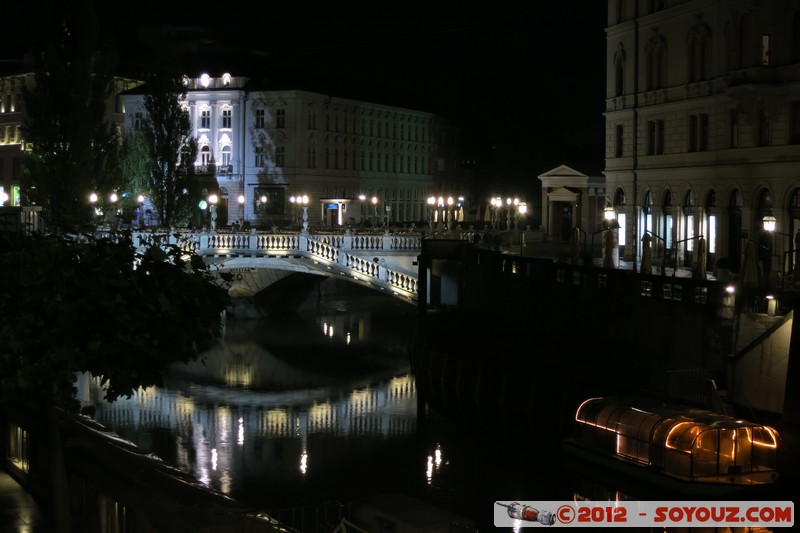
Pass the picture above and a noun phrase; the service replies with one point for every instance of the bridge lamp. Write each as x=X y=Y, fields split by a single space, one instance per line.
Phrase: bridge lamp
x=303 y=201
x=361 y=199
x=93 y=198
x=113 y=198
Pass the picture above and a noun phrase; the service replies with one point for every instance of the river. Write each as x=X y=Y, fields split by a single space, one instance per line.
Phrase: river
x=316 y=404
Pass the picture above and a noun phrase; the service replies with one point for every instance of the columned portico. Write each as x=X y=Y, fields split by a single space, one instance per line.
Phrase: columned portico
x=571 y=198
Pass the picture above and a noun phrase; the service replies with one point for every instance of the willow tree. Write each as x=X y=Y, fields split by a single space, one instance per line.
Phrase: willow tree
x=167 y=131
x=73 y=146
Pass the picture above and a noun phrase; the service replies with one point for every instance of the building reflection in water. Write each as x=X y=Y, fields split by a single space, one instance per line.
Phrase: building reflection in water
x=219 y=433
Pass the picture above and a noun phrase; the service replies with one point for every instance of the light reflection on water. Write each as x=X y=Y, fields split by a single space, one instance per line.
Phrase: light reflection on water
x=285 y=408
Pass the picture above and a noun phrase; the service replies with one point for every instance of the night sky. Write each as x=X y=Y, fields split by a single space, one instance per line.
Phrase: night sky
x=525 y=81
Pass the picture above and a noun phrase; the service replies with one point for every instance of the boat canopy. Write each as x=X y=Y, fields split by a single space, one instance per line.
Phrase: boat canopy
x=679 y=440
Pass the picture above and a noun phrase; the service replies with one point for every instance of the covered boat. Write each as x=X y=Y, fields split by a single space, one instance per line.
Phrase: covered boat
x=678 y=447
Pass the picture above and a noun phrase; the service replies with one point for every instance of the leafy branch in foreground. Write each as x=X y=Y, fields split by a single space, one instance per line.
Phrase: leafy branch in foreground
x=75 y=305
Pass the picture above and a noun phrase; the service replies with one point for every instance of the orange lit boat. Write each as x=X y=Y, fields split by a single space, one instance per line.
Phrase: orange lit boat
x=679 y=448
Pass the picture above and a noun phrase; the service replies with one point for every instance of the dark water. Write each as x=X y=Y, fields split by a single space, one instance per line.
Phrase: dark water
x=317 y=403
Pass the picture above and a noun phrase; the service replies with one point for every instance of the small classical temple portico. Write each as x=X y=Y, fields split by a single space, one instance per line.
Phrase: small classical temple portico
x=570 y=198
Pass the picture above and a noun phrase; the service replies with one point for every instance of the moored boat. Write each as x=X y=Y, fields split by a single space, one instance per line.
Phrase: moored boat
x=678 y=448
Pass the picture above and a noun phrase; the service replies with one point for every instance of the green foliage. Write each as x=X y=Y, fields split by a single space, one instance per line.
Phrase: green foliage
x=69 y=306
x=73 y=148
x=172 y=149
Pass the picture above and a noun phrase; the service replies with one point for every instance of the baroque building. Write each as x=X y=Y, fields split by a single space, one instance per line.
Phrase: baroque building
x=703 y=128
x=353 y=161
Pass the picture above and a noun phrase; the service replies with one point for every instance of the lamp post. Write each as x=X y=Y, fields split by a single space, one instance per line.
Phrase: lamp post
x=113 y=198
x=303 y=201
x=361 y=198
x=769 y=224
x=93 y=204
x=140 y=201
x=212 y=210
x=431 y=208
x=374 y=210
x=497 y=203
x=664 y=257
x=240 y=220
x=450 y=213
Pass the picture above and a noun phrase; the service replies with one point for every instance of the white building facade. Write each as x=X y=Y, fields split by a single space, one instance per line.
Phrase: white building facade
x=355 y=162
x=703 y=127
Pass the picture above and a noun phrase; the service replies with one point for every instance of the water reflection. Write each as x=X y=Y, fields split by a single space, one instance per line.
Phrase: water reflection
x=285 y=408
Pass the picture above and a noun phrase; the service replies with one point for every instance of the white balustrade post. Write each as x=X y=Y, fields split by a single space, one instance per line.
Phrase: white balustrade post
x=252 y=240
x=204 y=245
x=302 y=241
x=387 y=241
x=347 y=240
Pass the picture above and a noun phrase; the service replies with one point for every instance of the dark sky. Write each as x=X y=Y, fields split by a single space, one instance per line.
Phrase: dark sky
x=525 y=80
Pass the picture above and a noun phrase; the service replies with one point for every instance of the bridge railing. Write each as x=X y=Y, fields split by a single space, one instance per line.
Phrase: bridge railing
x=334 y=250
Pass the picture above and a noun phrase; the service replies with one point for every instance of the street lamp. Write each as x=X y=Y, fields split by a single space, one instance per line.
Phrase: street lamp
x=374 y=210
x=240 y=199
x=497 y=203
x=510 y=211
x=361 y=198
x=769 y=223
x=212 y=209
x=303 y=201
x=431 y=208
x=140 y=201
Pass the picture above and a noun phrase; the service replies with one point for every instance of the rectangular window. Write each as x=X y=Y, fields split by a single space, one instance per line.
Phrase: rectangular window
x=703 y=133
x=690 y=233
x=260 y=118
x=259 y=153
x=622 y=230
x=733 y=120
x=280 y=118
x=712 y=234
x=618 y=138
x=655 y=137
x=763 y=130
x=698 y=132
x=137 y=121
x=280 y=156
x=205 y=119
x=226 y=118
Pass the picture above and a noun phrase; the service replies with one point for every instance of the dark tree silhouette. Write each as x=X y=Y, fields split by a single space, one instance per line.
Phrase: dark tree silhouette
x=73 y=147
x=172 y=149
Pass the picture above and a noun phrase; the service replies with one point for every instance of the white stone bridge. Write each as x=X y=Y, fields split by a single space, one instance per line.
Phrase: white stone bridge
x=382 y=261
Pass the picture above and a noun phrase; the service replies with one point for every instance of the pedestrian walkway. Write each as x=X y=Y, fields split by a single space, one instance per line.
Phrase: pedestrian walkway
x=19 y=512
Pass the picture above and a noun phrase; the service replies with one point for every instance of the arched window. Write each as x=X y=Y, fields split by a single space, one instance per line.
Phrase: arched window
x=655 y=63
x=688 y=223
x=699 y=53
x=667 y=225
x=226 y=156
x=710 y=229
x=205 y=155
x=619 y=71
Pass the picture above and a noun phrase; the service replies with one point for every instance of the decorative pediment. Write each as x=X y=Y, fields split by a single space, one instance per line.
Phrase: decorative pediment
x=564 y=176
x=562 y=194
